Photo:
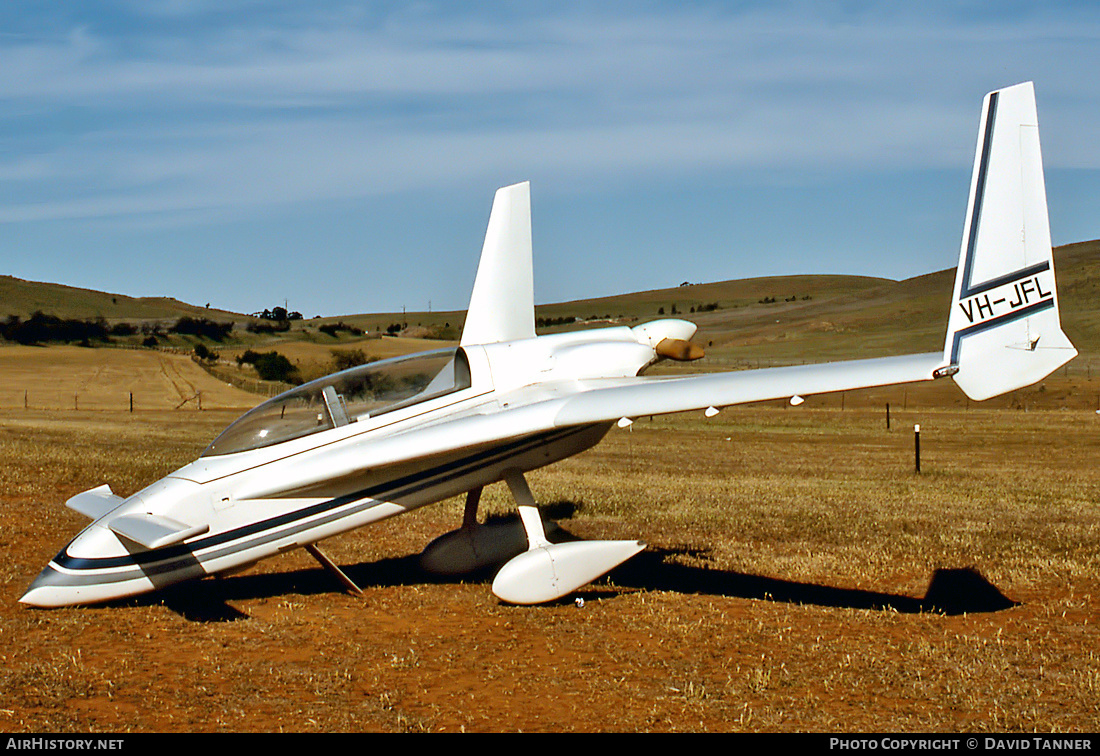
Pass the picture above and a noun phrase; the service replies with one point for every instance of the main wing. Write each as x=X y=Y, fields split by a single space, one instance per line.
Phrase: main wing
x=1003 y=333
x=656 y=396
x=1004 y=330
x=542 y=412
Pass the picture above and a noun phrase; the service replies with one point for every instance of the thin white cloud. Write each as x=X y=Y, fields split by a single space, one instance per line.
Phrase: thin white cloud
x=184 y=111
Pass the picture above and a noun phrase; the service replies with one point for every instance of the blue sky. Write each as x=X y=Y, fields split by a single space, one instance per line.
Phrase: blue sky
x=342 y=156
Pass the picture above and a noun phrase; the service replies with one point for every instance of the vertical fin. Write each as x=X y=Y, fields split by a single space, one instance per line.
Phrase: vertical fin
x=1004 y=331
x=502 y=306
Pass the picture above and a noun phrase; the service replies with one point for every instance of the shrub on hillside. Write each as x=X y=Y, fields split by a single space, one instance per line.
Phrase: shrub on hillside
x=204 y=353
x=343 y=359
x=202 y=328
x=271 y=366
x=41 y=328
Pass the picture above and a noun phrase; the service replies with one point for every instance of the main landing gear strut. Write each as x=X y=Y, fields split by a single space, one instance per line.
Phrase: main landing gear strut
x=535 y=570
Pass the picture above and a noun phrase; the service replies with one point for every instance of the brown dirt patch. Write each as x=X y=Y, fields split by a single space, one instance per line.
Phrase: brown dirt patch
x=789 y=553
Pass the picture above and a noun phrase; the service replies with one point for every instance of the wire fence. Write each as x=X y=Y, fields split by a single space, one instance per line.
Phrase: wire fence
x=168 y=389
x=1070 y=387
x=251 y=385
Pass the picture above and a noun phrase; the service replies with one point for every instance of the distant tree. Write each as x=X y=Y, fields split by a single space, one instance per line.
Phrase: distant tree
x=550 y=322
x=272 y=327
x=333 y=328
x=202 y=328
x=41 y=328
x=344 y=359
x=248 y=358
x=271 y=366
x=275 y=367
x=204 y=353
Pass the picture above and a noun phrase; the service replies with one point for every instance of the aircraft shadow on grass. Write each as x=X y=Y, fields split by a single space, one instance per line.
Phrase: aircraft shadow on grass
x=951 y=591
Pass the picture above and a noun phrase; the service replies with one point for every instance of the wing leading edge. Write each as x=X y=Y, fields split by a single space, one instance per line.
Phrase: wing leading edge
x=657 y=396
x=1004 y=330
x=593 y=402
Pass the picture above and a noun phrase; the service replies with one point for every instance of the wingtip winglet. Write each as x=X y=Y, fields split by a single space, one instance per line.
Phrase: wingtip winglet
x=1004 y=331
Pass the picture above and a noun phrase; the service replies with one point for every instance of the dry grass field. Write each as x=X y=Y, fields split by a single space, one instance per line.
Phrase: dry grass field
x=785 y=587
x=75 y=378
x=799 y=575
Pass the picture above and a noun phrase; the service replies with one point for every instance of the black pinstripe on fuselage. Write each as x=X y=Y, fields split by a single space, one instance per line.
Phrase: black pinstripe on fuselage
x=170 y=559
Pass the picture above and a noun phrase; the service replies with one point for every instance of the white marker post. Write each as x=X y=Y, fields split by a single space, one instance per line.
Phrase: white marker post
x=916 y=445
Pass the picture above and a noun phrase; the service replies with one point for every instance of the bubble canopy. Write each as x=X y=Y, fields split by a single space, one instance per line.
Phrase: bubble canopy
x=346 y=397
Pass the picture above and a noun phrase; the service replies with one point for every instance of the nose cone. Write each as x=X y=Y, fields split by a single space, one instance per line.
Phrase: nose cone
x=93 y=567
x=59 y=586
x=98 y=565
x=52 y=588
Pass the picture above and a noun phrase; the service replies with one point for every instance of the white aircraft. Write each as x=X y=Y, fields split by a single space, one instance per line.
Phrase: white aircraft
x=385 y=438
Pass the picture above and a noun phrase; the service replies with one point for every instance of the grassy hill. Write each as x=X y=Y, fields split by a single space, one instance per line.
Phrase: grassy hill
x=23 y=298
x=780 y=319
x=816 y=318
